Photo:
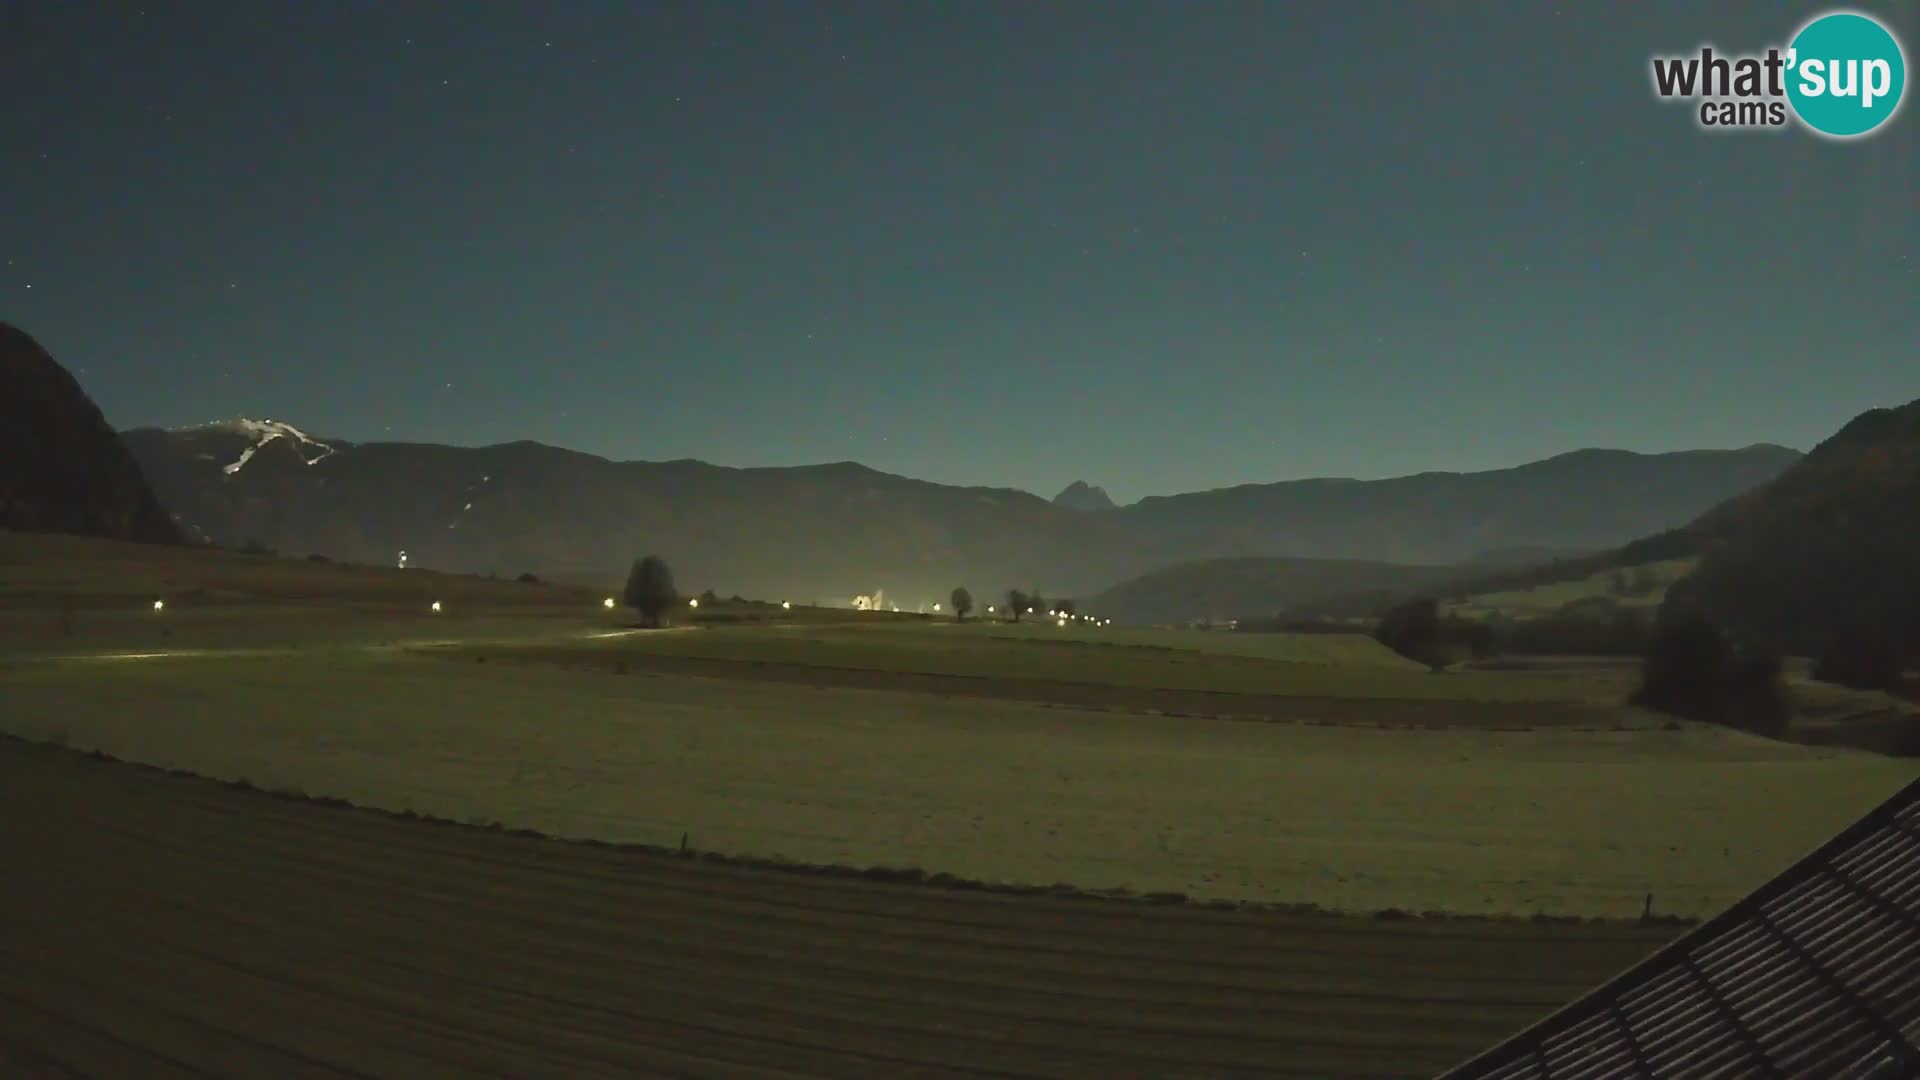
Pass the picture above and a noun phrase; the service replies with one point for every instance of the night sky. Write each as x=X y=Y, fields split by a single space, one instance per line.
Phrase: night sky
x=1160 y=247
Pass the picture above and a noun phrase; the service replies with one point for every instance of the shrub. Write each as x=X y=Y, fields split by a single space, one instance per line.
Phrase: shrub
x=528 y=578
x=1586 y=630
x=316 y=557
x=1694 y=671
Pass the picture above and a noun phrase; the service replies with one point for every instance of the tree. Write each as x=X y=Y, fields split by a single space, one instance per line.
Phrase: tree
x=650 y=589
x=1037 y=602
x=1863 y=657
x=1017 y=603
x=1412 y=629
x=709 y=598
x=1694 y=670
x=962 y=603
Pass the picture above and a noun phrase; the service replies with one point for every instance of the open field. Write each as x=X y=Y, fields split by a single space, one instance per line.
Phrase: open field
x=174 y=927
x=1348 y=666
x=1058 y=760
x=41 y=569
x=1561 y=821
x=1546 y=599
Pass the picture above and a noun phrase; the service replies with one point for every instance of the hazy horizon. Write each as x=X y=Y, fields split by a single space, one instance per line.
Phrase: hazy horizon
x=1047 y=494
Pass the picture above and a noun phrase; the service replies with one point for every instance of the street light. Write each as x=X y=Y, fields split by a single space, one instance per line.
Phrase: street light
x=693 y=601
x=609 y=603
x=159 y=605
x=436 y=605
x=786 y=605
x=936 y=607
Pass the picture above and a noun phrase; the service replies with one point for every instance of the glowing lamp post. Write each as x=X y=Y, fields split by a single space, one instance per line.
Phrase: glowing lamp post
x=609 y=603
x=436 y=606
x=693 y=601
x=786 y=605
x=159 y=606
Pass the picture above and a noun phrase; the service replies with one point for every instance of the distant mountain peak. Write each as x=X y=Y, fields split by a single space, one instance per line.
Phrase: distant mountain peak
x=262 y=432
x=1081 y=495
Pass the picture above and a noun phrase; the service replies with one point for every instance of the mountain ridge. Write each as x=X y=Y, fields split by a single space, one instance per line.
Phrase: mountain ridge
x=842 y=528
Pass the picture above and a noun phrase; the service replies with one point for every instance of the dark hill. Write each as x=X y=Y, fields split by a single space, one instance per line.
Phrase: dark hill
x=1831 y=544
x=62 y=467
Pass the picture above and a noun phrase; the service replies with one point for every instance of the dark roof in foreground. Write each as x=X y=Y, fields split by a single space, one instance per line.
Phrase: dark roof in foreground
x=1815 y=974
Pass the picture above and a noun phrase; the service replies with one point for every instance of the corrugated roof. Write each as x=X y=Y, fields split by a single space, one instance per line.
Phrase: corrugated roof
x=1815 y=974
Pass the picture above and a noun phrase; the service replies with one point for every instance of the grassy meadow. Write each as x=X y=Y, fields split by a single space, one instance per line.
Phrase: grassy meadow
x=174 y=927
x=1294 y=790
x=1546 y=599
x=1557 y=820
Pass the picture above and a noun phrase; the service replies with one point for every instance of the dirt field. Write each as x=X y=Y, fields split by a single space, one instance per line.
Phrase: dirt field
x=169 y=926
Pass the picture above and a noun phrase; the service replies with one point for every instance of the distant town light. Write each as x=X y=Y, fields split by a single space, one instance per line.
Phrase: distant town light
x=609 y=603
x=936 y=607
x=159 y=605
x=693 y=601
x=436 y=605
x=786 y=605
x=989 y=609
x=1029 y=611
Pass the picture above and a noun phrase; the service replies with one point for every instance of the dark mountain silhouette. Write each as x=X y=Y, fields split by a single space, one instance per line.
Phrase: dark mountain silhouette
x=62 y=467
x=1081 y=495
x=1830 y=545
x=1828 y=550
x=830 y=531
x=1563 y=502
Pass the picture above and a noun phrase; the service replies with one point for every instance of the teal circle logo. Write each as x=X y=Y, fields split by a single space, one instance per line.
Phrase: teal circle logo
x=1845 y=75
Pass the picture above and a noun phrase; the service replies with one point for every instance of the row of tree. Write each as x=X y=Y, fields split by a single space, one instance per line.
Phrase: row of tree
x=651 y=593
x=1693 y=667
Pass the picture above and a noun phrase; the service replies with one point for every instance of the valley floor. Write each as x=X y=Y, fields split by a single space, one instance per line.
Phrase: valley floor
x=162 y=924
x=1560 y=821
x=166 y=926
